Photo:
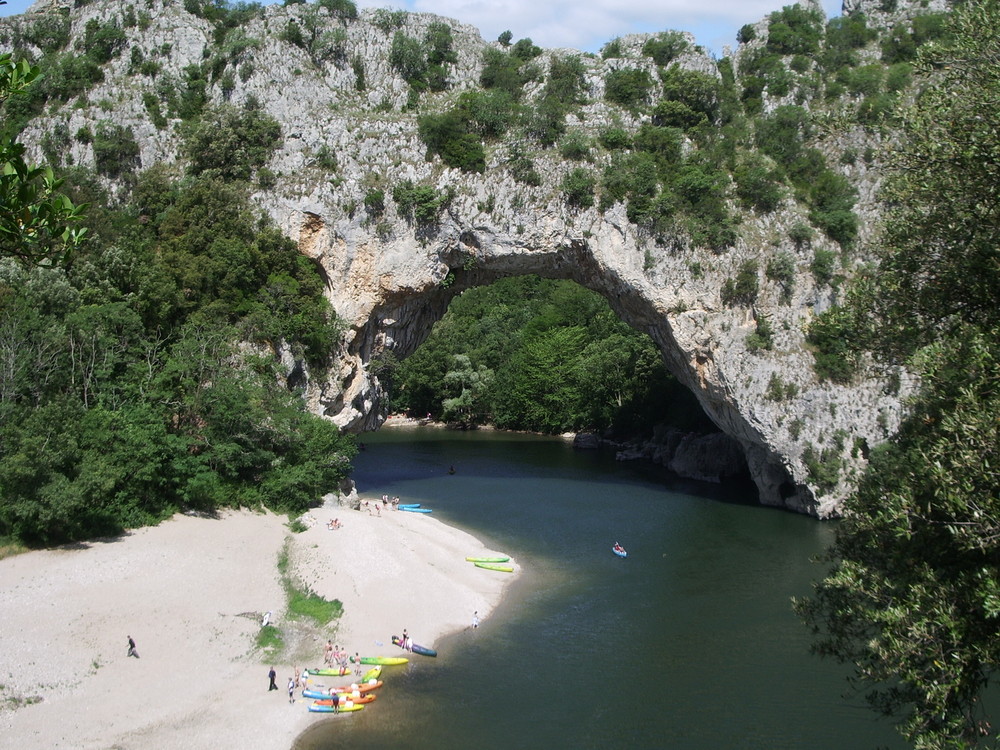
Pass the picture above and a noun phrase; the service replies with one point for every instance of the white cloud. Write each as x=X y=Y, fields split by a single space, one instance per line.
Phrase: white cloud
x=588 y=25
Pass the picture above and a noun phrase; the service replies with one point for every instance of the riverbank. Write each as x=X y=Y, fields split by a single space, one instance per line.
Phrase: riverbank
x=191 y=592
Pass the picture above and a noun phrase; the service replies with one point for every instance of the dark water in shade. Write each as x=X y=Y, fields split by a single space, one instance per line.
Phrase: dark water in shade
x=690 y=643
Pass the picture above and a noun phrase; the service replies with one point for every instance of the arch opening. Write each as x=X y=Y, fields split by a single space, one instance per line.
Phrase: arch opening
x=576 y=333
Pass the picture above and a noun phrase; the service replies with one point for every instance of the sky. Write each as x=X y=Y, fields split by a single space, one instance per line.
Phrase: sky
x=584 y=25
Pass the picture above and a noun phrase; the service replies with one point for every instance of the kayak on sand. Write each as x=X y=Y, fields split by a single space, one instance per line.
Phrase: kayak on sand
x=414 y=647
x=389 y=661
x=495 y=566
x=500 y=559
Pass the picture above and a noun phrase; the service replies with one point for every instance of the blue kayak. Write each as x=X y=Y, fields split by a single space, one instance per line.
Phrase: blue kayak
x=416 y=510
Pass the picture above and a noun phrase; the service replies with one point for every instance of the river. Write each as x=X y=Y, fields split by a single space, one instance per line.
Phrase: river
x=689 y=643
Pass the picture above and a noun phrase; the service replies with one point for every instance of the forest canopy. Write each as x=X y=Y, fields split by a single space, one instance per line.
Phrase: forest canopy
x=140 y=379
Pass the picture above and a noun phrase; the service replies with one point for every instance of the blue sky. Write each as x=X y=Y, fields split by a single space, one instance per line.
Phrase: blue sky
x=585 y=26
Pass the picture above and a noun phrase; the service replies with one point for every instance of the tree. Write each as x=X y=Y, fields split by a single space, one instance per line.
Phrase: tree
x=38 y=224
x=912 y=599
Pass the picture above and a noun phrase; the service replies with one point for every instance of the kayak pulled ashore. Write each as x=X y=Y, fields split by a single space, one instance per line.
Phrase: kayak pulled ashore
x=355 y=699
x=388 y=661
x=329 y=671
x=495 y=566
x=500 y=559
x=404 y=506
x=416 y=510
x=414 y=647
x=342 y=708
x=347 y=690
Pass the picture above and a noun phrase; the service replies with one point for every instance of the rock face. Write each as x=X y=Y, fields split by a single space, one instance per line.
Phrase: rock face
x=390 y=279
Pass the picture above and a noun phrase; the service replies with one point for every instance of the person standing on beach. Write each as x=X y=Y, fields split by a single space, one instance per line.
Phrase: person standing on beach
x=291 y=690
x=475 y=619
x=328 y=653
x=407 y=643
x=131 y=648
x=271 y=675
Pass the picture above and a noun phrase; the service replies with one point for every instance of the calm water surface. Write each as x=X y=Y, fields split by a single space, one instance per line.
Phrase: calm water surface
x=689 y=643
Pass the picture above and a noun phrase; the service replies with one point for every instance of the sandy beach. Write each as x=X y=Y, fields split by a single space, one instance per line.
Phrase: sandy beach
x=191 y=592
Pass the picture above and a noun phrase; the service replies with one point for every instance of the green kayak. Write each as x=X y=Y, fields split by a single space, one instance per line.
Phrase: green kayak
x=389 y=661
x=495 y=566
x=487 y=559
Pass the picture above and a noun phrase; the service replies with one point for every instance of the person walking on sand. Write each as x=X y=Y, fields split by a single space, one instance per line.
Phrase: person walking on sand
x=328 y=653
x=475 y=619
x=291 y=690
x=271 y=675
x=131 y=648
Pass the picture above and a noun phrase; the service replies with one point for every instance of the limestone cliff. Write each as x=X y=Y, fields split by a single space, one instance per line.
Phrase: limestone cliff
x=390 y=277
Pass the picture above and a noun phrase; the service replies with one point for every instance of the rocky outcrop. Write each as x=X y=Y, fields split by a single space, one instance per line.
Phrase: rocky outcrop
x=715 y=457
x=391 y=279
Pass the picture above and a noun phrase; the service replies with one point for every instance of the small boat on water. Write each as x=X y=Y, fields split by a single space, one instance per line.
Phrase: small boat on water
x=619 y=550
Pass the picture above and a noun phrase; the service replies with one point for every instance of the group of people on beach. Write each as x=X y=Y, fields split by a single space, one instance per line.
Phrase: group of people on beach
x=334 y=655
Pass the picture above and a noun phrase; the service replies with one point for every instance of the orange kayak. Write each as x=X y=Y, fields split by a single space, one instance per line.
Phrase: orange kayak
x=363 y=699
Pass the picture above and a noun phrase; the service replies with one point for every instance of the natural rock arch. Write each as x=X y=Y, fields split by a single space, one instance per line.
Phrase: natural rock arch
x=392 y=289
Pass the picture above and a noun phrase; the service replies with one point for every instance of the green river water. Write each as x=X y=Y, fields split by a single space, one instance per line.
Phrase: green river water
x=689 y=643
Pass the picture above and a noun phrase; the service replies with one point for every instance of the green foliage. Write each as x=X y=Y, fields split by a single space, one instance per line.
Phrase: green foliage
x=522 y=168
x=578 y=188
x=614 y=139
x=744 y=288
x=763 y=337
x=612 y=49
x=834 y=337
x=824 y=266
x=758 y=185
x=375 y=203
x=559 y=360
x=345 y=10
x=665 y=47
x=903 y=43
x=781 y=269
x=269 y=640
x=419 y=203
x=231 y=143
x=628 y=87
x=302 y=602
x=448 y=136
x=38 y=224
x=823 y=466
x=697 y=91
x=388 y=20
x=794 y=30
x=103 y=42
x=779 y=390
x=747 y=33
x=575 y=146
x=408 y=57
x=561 y=94
x=503 y=70
x=801 y=234
x=144 y=401
x=116 y=151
